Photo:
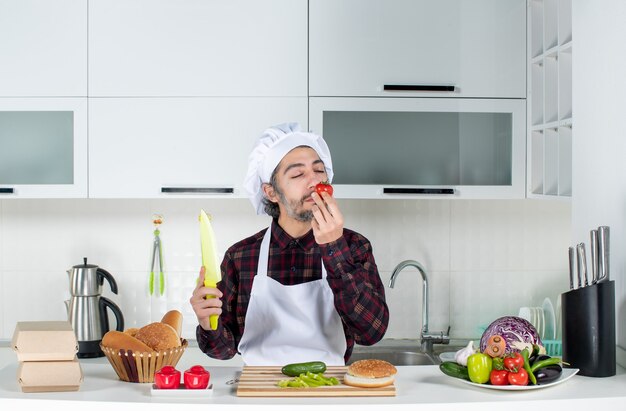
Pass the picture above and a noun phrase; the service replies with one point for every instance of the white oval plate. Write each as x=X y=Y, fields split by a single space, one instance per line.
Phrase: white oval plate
x=447 y=356
x=565 y=375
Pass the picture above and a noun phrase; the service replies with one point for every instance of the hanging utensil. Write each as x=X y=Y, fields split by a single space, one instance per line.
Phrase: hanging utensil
x=157 y=254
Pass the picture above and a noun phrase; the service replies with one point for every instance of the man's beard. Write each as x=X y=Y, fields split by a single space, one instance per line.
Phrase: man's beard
x=292 y=207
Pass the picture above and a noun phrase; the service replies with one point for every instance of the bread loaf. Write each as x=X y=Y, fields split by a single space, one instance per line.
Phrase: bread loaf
x=131 y=331
x=159 y=336
x=119 y=340
x=175 y=319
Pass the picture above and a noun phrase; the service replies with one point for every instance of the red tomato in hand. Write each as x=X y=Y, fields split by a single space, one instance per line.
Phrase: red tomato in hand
x=197 y=377
x=499 y=377
x=324 y=187
x=167 y=378
x=514 y=362
x=518 y=378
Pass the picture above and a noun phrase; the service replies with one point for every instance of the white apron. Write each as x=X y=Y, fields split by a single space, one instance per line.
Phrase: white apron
x=290 y=323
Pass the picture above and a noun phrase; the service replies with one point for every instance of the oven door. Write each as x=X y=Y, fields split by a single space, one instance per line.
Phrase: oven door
x=424 y=147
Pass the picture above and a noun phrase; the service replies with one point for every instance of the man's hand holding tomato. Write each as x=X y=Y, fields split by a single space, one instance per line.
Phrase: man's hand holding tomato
x=327 y=220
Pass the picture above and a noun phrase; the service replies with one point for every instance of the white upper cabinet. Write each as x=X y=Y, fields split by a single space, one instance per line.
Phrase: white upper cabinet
x=43 y=48
x=197 y=48
x=43 y=147
x=476 y=47
x=173 y=147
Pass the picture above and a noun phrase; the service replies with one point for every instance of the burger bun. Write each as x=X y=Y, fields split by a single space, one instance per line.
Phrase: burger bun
x=370 y=374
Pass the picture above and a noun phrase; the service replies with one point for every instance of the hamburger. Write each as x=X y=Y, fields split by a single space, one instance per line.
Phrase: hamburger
x=370 y=374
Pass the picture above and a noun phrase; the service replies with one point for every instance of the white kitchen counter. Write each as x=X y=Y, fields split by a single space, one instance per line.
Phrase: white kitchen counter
x=425 y=386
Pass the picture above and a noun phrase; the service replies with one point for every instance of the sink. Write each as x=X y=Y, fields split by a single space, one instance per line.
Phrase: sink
x=395 y=357
x=403 y=352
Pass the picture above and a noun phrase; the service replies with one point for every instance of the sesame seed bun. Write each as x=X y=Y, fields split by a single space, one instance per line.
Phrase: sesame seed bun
x=370 y=374
x=159 y=336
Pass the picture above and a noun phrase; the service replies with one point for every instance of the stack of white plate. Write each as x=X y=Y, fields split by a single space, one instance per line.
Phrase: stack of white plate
x=542 y=318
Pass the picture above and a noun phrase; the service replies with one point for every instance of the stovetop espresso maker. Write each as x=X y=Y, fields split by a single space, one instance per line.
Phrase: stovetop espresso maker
x=87 y=309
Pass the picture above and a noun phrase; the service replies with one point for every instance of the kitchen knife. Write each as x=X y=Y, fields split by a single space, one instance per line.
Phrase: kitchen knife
x=212 y=273
x=582 y=265
x=594 y=256
x=572 y=267
x=603 y=253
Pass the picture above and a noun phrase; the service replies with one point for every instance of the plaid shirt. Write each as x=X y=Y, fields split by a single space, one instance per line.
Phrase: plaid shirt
x=351 y=274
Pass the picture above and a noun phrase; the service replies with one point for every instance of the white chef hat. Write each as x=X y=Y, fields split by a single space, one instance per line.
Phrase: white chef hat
x=269 y=150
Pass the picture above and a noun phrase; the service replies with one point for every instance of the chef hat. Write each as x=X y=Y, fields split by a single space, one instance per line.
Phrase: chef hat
x=269 y=150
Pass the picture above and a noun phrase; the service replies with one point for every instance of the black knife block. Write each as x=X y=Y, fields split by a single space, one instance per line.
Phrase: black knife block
x=588 y=315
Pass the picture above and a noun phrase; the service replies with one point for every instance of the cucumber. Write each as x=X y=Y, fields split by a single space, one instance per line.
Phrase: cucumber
x=453 y=369
x=294 y=370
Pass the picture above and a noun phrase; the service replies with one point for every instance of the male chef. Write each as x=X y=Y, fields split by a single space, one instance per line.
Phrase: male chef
x=303 y=289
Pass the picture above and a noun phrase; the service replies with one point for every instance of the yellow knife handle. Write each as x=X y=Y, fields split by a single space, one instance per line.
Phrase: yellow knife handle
x=213 y=318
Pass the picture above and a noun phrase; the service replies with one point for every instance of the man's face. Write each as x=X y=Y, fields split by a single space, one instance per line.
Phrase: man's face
x=297 y=174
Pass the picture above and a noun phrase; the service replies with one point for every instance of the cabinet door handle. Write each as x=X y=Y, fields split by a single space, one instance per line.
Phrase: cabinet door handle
x=391 y=190
x=197 y=190
x=418 y=87
x=6 y=190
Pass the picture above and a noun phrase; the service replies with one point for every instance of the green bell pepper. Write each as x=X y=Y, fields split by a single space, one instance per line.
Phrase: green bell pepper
x=479 y=367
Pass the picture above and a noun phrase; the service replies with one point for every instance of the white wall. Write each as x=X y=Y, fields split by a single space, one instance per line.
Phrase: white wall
x=485 y=258
x=599 y=135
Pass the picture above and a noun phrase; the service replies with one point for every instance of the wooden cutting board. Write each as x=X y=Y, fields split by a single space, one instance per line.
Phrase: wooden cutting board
x=261 y=382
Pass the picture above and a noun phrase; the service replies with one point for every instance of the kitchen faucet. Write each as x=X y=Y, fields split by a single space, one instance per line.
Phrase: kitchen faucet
x=427 y=339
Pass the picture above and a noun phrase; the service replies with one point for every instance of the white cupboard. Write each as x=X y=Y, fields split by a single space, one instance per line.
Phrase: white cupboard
x=424 y=147
x=172 y=147
x=43 y=48
x=43 y=147
x=165 y=48
x=443 y=48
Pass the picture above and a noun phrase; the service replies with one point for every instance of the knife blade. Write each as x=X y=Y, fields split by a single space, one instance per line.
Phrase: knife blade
x=212 y=272
x=603 y=253
x=572 y=267
x=582 y=265
x=594 y=256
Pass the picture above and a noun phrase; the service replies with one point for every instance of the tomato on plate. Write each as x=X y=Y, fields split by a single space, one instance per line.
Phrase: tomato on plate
x=324 y=187
x=518 y=378
x=514 y=362
x=499 y=377
x=167 y=378
x=197 y=377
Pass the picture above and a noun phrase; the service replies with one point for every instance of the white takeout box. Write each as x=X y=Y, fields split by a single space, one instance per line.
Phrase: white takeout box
x=44 y=341
x=49 y=376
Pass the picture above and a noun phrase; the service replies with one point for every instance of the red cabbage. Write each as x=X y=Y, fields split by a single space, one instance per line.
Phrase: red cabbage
x=514 y=330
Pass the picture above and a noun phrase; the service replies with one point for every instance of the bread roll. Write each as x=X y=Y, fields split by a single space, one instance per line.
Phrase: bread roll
x=119 y=340
x=175 y=319
x=159 y=336
x=370 y=374
x=131 y=331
